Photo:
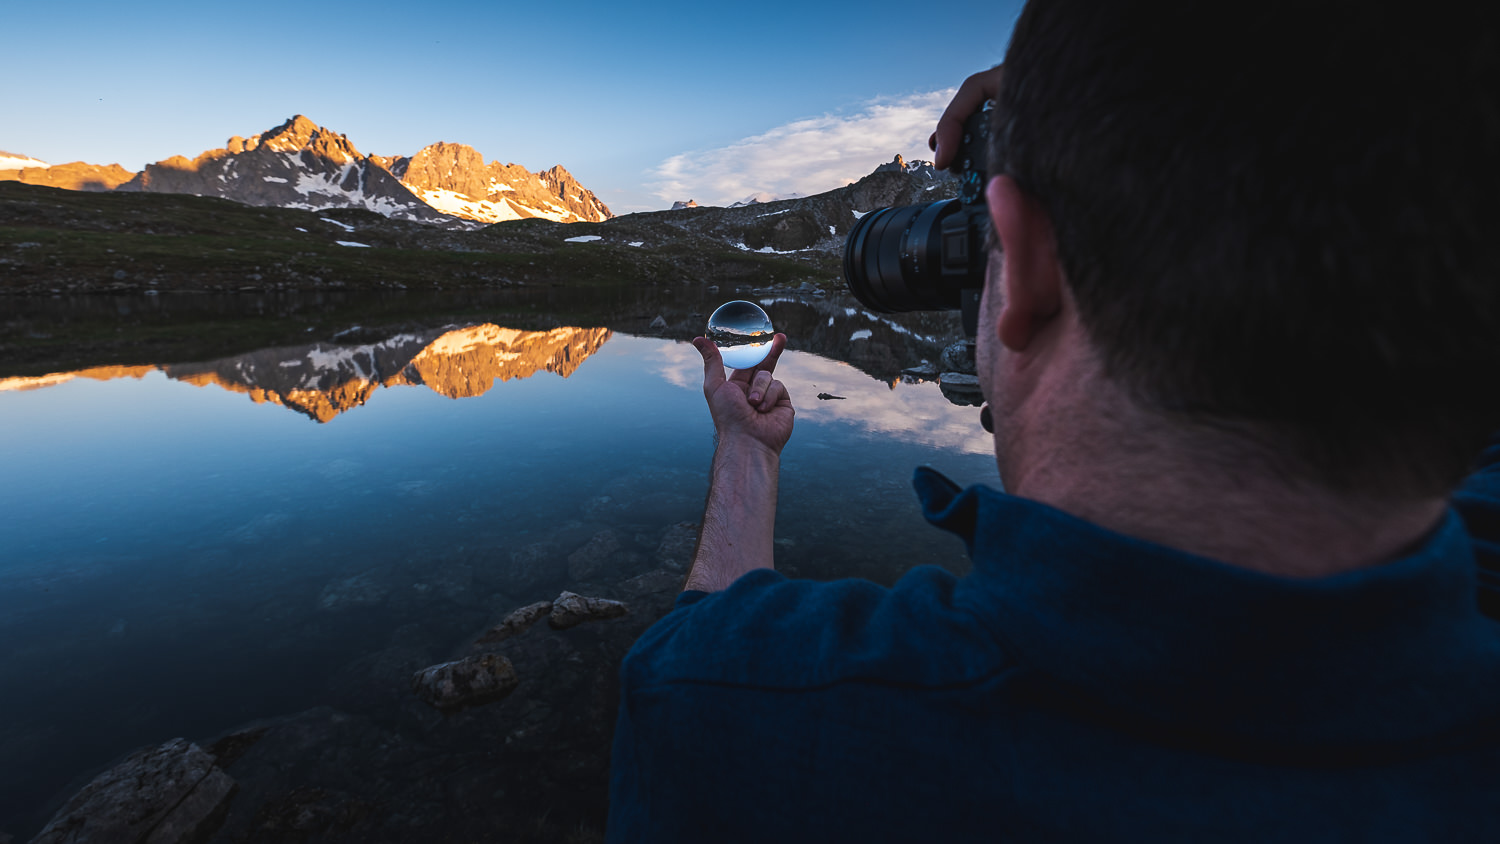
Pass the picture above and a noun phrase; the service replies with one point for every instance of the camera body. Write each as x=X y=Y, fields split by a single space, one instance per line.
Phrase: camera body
x=928 y=257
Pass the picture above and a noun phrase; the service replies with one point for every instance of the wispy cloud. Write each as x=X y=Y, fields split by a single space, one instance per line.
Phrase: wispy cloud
x=806 y=156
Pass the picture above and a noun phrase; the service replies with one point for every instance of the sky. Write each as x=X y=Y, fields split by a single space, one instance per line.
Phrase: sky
x=645 y=103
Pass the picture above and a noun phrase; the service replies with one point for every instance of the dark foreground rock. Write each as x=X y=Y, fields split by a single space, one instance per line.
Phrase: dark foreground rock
x=570 y=610
x=467 y=682
x=158 y=795
x=516 y=623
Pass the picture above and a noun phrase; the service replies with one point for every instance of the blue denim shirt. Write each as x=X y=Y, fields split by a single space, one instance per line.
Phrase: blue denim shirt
x=1077 y=685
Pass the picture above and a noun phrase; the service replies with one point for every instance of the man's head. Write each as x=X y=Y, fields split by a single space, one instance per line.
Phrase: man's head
x=1279 y=218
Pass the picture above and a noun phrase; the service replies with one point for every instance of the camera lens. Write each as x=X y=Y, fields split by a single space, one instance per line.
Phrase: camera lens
x=893 y=259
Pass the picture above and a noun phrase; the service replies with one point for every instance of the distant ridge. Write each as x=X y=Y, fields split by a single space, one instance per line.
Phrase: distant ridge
x=301 y=164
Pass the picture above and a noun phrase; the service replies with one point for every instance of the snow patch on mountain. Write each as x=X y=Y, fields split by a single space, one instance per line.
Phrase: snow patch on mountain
x=14 y=161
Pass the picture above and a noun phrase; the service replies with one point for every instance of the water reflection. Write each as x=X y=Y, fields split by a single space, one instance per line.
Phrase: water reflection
x=177 y=561
x=322 y=380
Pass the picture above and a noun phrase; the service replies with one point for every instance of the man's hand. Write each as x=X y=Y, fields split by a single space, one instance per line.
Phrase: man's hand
x=982 y=86
x=750 y=405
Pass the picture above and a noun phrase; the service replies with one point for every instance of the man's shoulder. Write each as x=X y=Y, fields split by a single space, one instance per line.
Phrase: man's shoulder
x=768 y=631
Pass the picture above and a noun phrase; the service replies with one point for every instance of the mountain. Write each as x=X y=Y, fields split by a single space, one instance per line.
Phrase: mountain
x=454 y=178
x=300 y=164
x=922 y=171
x=805 y=225
x=72 y=176
x=75 y=175
x=295 y=165
x=764 y=197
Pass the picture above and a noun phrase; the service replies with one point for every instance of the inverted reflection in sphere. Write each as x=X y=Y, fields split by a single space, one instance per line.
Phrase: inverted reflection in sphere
x=743 y=333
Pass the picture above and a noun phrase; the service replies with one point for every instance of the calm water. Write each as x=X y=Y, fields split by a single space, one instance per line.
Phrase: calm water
x=188 y=546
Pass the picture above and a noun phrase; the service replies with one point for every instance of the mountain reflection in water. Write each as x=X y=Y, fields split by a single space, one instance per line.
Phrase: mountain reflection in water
x=322 y=380
x=178 y=562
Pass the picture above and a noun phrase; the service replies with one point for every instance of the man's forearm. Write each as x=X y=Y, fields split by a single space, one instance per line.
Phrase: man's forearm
x=739 y=520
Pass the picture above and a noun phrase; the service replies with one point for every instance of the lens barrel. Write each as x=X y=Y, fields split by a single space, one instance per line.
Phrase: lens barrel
x=894 y=258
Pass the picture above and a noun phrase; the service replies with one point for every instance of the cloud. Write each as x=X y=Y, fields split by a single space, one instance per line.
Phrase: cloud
x=806 y=156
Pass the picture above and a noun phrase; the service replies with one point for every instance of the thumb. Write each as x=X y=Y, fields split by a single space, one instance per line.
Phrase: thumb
x=713 y=365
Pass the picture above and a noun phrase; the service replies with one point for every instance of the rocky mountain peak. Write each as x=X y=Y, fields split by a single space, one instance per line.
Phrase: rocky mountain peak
x=299 y=134
x=454 y=178
x=300 y=164
x=444 y=166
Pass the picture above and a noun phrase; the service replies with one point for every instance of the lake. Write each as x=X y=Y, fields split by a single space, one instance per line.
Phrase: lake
x=255 y=550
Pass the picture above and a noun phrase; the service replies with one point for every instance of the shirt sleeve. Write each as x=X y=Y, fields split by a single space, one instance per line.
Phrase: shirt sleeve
x=1478 y=502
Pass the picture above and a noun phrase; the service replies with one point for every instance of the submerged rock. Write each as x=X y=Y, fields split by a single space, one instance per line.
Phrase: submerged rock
x=678 y=544
x=457 y=685
x=533 y=565
x=591 y=559
x=361 y=590
x=515 y=623
x=161 y=795
x=571 y=610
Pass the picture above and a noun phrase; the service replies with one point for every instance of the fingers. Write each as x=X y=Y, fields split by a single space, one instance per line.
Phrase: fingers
x=713 y=365
x=982 y=86
x=776 y=395
x=758 y=386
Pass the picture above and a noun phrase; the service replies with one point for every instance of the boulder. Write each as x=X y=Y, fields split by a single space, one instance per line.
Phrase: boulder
x=515 y=623
x=570 y=610
x=158 y=795
x=472 y=681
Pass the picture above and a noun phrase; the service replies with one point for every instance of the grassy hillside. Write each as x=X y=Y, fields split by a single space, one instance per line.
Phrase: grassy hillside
x=57 y=241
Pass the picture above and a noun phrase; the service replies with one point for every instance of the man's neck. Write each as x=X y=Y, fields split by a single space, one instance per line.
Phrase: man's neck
x=1089 y=450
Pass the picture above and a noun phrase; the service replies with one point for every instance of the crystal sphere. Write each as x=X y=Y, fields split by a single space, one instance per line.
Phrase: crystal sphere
x=743 y=333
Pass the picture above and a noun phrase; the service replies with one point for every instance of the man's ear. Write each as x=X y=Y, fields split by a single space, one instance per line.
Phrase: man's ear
x=1031 y=276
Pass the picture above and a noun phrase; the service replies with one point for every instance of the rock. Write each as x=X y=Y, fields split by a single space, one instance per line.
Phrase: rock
x=588 y=561
x=678 y=544
x=535 y=564
x=570 y=610
x=308 y=813
x=362 y=590
x=158 y=795
x=472 y=681
x=961 y=389
x=925 y=371
x=515 y=623
x=786 y=232
x=958 y=357
x=656 y=582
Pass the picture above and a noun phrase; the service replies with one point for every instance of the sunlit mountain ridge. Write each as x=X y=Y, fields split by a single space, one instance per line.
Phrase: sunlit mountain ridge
x=323 y=380
x=301 y=164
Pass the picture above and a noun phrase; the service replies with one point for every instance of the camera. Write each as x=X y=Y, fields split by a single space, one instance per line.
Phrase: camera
x=928 y=257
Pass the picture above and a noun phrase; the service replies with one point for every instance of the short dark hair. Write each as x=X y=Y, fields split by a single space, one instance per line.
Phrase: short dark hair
x=1280 y=216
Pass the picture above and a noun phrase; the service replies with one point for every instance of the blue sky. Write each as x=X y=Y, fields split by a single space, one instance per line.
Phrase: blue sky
x=645 y=103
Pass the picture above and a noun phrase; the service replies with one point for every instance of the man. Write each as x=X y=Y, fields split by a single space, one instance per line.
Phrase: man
x=1239 y=339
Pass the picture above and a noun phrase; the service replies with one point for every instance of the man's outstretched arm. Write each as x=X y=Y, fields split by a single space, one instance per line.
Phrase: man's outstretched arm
x=752 y=415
